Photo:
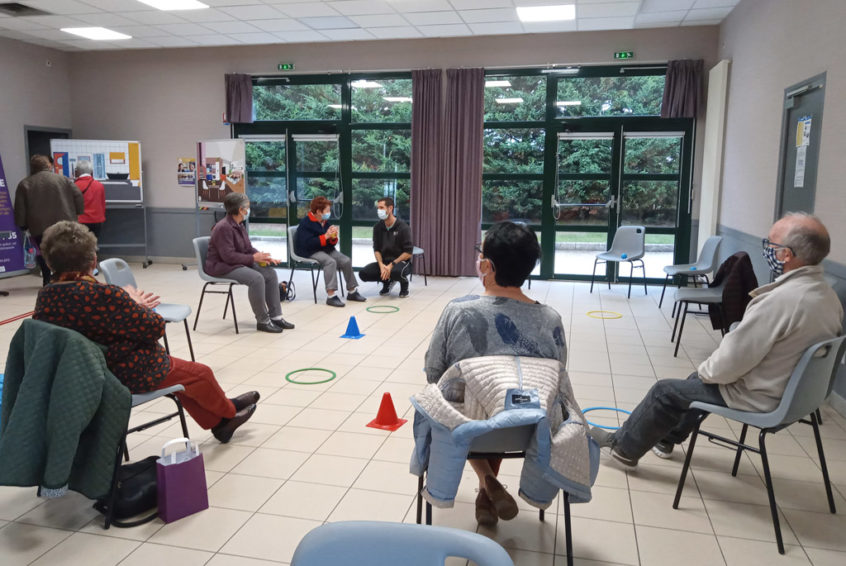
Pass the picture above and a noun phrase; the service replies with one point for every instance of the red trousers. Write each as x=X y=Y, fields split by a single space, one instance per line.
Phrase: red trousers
x=203 y=398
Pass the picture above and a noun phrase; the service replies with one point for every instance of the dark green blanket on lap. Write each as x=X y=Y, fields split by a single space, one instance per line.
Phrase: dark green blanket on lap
x=63 y=412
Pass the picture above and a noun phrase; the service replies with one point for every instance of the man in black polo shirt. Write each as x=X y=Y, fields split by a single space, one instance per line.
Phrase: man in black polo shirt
x=392 y=248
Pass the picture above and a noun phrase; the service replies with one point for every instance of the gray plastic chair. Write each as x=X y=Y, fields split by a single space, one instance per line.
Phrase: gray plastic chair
x=353 y=543
x=809 y=385
x=631 y=242
x=201 y=250
x=419 y=252
x=707 y=262
x=117 y=272
x=701 y=296
x=294 y=259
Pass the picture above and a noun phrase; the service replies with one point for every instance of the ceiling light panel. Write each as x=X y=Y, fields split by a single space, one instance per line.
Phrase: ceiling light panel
x=97 y=33
x=175 y=5
x=562 y=12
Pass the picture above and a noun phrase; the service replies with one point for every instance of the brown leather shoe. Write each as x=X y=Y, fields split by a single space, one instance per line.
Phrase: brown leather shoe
x=224 y=431
x=245 y=400
x=485 y=511
x=506 y=507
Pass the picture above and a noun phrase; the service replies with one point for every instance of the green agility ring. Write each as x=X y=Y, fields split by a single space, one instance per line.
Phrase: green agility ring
x=332 y=374
x=382 y=309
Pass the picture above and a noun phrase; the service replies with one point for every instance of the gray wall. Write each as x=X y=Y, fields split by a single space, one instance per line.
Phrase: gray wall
x=31 y=94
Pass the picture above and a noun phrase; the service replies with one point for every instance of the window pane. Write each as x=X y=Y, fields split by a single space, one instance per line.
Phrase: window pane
x=660 y=250
x=266 y=156
x=268 y=196
x=519 y=98
x=512 y=200
x=270 y=238
x=582 y=202
x=367 y=191
x=514 y=151
x=297 y=102
x=650 y=203
x=575 y=252
x=381 y=100
x=609 y=96
x=381 y=150
x=656 y=155
x=314 y=156
x=311 y=187
x=585 y=155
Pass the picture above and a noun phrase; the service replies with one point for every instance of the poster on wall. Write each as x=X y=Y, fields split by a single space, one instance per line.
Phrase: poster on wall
x=186 y=170
x=221 y=169
x=115 y=163
x=11 y=239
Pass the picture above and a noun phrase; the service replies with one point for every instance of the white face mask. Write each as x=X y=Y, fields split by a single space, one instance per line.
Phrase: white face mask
x=479 y=269
x=381 y=213
x=247 y=214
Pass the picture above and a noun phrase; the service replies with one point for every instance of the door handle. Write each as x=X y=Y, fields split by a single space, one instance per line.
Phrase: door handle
x=292 y=197
x=611 y=203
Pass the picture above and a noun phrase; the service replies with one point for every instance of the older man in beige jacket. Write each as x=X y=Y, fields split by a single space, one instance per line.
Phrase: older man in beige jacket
x=750 y=368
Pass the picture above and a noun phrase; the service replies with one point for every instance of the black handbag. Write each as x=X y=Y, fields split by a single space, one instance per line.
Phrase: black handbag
x=137 y=491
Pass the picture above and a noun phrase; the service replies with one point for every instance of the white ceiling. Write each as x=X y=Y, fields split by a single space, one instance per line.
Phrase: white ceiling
x=253 y=22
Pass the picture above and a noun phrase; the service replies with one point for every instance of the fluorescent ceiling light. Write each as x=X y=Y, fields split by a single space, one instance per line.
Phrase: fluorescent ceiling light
x=97 y=34
x=172 y=5
x=365 y=84
x=568 y=103
x=547 y=13
x=397 y=98
x=498 y=83
x=509 y=100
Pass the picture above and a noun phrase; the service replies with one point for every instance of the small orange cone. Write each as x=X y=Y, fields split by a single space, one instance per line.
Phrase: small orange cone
x=387 y=417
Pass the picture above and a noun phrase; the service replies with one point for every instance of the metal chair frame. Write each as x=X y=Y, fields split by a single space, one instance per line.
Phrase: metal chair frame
x=211 y=280
x=616 y=249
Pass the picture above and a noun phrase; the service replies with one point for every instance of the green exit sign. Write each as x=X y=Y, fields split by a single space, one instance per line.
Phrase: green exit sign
x=624 y=55
x=285 y=66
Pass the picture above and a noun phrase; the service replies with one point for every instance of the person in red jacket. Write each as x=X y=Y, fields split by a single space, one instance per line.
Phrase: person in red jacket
x=94 y=195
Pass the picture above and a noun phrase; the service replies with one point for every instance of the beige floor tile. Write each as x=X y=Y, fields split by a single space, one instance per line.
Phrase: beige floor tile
x=331 y=470
x=223 y=457
x=206 y=530
x=818 y=530
x=85 y=549
x=660 y=547
x=721 y=485
x=591 y=541
x=319 y=418
x=232 y=560
x=20 y=544
x=395 y=449
x=270 y=463
x=351 y=444
x=821 y=557
x=365 y=505
x=390 y=477
x=246 y=493
x=745 y=552
x=269 y=537
x=529 y=558
x=525 y=532
x=278 y=415
x=297 y=438
x=741 y=520
x=659 y=478
x=304 y=500
x=807 y=496
x=292 y=397
x=253 y=434
x=71 y=512
x=656 y=510
x=338 y=401
x=608 y=503
x=161 y=555
x=17 y=501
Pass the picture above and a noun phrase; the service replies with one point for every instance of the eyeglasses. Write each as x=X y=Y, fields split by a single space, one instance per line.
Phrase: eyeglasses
x=479 y=250
x=768 y=244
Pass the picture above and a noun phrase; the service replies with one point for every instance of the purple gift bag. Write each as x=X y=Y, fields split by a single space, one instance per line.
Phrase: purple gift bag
x=181 y=481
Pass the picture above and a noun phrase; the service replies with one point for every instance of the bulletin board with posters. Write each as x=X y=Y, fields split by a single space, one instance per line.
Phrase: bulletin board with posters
x=116 y=164
x=221 y=169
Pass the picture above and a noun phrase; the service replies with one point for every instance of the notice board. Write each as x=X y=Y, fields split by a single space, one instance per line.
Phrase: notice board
x=116 y=164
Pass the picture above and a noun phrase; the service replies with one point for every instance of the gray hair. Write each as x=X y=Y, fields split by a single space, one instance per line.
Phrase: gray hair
x=69 y=246
x=807 y=237
x=82 y=168
x=233 y=202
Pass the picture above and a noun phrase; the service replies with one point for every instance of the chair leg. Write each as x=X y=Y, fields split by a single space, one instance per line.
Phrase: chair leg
x=681 y=329
x=314 y=282
x=722 y=314
x=693 y=436
x=742 y=440
x=663 y=289
x=226 y=306
x=823 y=465
x=631 y=276
x=232 y=300
x=423 y=265
x=164 y=337
x=200 y=306
x=109 y=514
x=819 y=417
x=428 y=513
x=188 y=337
x=125 y=450
x=568 y=534
x=643 y=270
x=420 y=499
x=181 y=412
x=676 y=306
x=770 y=493
x=593 y=275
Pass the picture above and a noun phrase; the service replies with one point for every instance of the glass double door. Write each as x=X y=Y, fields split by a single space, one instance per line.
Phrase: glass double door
x=615 y=177
x=284 y=173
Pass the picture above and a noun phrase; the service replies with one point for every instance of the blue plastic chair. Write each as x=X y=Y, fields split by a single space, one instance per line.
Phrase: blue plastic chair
x=809 y=385
x=374 y=543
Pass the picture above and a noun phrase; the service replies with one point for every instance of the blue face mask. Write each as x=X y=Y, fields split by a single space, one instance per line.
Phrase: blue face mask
x=775 y=264
x=325 y=216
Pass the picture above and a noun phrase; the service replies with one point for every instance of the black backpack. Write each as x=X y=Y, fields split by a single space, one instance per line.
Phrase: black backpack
x=136 y=490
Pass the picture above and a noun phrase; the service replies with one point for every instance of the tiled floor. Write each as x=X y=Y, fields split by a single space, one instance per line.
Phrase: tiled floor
x=307 y=457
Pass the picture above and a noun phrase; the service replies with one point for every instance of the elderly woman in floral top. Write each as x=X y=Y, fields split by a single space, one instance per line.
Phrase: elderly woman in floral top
x=125 y=322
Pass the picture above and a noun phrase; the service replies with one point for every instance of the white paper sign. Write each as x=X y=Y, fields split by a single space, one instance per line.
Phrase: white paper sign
x=799 y=175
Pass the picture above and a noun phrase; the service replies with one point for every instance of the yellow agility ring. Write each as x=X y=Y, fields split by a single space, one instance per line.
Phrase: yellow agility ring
x=604 y=315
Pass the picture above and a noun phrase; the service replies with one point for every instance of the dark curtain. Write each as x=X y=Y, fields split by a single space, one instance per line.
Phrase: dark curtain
x=239 y=99
x=460 y=202
x=683 y=90
x=426 y=161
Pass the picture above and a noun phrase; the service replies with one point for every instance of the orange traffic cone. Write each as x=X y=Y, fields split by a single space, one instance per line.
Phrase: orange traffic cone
x=387 y=417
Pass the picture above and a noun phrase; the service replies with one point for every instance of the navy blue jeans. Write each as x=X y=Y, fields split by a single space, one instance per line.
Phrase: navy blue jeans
x=665 y=414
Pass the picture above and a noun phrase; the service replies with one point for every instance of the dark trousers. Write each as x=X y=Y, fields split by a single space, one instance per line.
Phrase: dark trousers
x=95 y=228
x=664 y=414
x=45 y=271
x=399 y=272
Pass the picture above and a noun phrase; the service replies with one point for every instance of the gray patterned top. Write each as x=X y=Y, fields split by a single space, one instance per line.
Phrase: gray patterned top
x=475 y=325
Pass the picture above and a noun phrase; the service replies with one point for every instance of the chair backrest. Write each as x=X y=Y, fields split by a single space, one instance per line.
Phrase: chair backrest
x=629 y=240
x=811 y=381
x=117 y=272
x=709 y=256
x=387 y=544
x=292 y=235
x=201 y=250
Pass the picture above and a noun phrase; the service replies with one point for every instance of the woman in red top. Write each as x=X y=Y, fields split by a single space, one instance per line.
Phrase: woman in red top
x=94 y=195
x=123 y=320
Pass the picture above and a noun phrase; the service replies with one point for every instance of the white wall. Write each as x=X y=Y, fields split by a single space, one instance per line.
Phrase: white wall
x=31 y=94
